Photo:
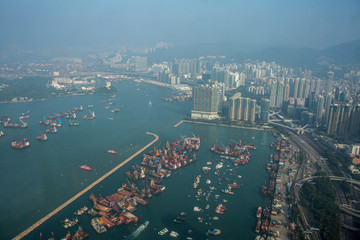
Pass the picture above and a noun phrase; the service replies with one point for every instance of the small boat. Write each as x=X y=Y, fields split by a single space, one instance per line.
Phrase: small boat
x=174 y=234
x=115 y=110
x=219 y=165
x=163 y=231
x=70 y=223
x=197 y=209
x=214 y=232
x=85 y=167
x=1 y=133
x=72 y=123
x=112 y=151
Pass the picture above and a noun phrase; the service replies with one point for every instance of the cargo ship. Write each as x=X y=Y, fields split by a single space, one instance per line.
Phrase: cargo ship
x=15 y=125
x=42 y=137
x=20 y=144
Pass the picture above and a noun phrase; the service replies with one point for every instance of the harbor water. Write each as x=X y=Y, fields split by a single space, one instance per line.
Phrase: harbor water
x=36 y=180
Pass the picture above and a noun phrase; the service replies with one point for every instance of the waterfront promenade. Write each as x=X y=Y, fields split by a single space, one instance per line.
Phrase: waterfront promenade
x=65 y=204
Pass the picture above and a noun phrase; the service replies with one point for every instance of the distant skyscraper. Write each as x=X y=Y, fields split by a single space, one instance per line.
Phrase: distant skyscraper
x=344 y=121
x=320 y=109
x=328 y=85
x=273 y=92
x=206 y=101
x=328 y=101
x=296 y=87
x=333 y=122
x=252 y=110
x=265 y=107
x=140 y=64
x=276 y=94
x=245 y=109
x=300 y=93
x=280 y=94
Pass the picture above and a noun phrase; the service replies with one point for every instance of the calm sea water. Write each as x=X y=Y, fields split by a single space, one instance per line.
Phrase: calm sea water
x=36 y=180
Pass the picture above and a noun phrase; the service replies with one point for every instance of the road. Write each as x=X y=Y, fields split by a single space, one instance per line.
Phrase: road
x=308 y=146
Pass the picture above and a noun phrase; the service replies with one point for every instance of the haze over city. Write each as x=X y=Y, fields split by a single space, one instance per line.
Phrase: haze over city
x=256 y=24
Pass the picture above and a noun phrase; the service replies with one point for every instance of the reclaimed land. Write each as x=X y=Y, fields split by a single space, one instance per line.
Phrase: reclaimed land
x=65 y=204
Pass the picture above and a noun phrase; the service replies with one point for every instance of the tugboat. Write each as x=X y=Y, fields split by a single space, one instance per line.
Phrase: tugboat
x=20 y=144
x=42 y=137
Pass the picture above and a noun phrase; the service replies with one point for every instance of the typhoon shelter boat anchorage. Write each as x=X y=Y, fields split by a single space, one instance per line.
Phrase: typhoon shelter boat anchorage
x=119 y=207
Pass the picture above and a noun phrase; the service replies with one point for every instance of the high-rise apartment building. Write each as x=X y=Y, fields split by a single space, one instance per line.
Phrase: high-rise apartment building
x=207 y=100
x=242 y=109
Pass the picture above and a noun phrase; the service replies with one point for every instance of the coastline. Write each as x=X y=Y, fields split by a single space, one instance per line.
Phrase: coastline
x=231 y=126
x=155 y=83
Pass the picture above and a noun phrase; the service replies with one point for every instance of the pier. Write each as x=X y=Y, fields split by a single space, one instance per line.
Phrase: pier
x=65 y=204
x=176 y=125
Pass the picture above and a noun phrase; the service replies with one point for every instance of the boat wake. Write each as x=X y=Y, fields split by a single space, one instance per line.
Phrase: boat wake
x=135 y=234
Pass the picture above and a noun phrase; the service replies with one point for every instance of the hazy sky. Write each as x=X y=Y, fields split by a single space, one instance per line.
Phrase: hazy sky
x=295 y=23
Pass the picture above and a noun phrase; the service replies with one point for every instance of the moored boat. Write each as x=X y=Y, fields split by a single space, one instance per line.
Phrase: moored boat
x=20 y=144
x=42 y=137
x=85 y=167
x=98 y=226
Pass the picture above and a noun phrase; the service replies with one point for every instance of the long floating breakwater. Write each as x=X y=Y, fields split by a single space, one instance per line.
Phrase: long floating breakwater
x=65 y=204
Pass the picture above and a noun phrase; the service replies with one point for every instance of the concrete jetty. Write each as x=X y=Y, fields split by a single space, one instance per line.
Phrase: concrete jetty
x=176 y=125
x=65 y=204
